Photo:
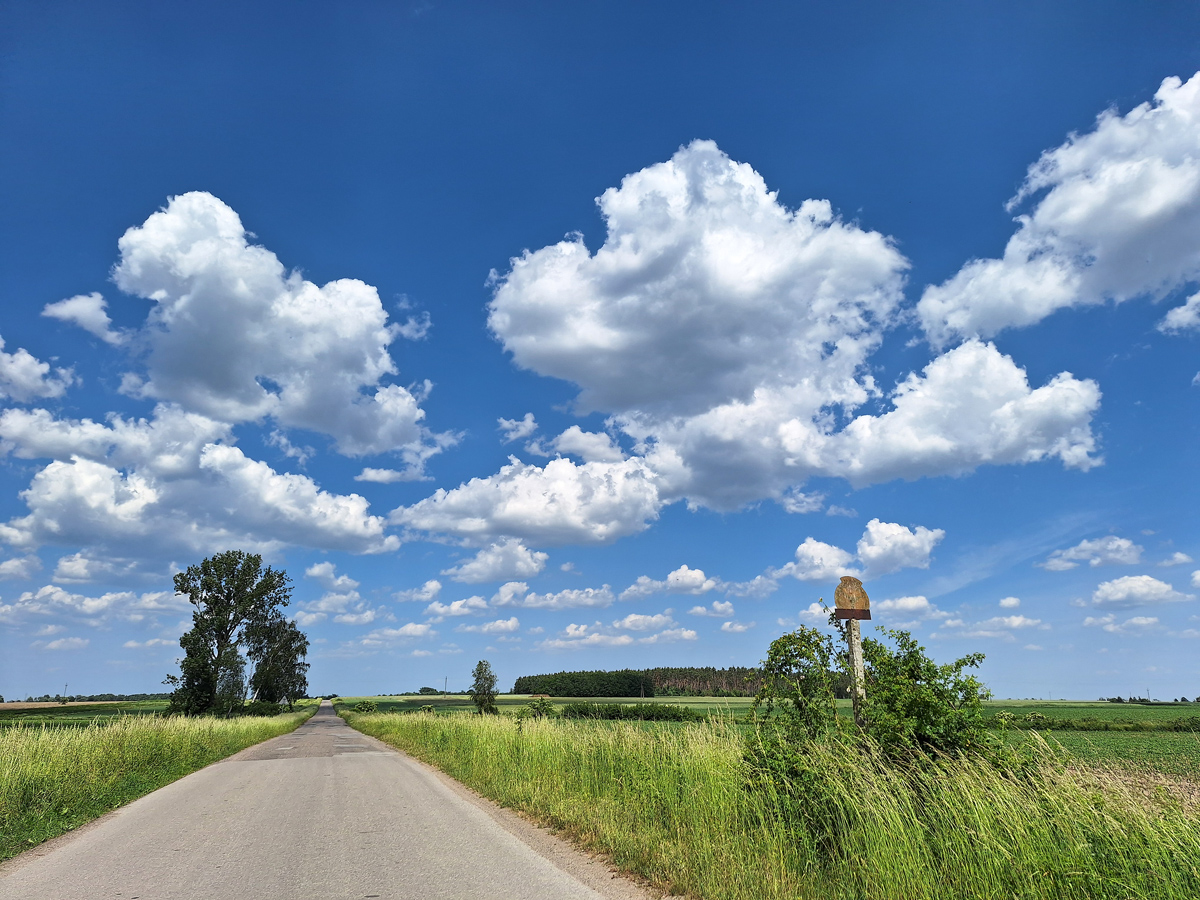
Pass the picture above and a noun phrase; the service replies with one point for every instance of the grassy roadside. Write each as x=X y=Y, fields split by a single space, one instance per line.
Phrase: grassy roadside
x=671 y=804
x=56 y=778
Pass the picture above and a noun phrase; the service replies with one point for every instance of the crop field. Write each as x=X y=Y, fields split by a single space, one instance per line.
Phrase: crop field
x=75 y=713
x=1076 y=710
x=55 y=777
x=675 y=804
x=737 y=706
x=1162 y=752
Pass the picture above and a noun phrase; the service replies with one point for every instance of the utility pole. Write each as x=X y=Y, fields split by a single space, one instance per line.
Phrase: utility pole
x=852 y=605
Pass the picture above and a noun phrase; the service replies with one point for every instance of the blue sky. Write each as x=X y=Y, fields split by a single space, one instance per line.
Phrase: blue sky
x=594 y=336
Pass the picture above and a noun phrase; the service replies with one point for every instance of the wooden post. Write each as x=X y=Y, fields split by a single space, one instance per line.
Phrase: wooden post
x=852 y=605
x=858 y=687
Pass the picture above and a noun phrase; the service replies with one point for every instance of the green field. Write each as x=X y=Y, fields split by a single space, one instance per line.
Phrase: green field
x=510 y=703
x=77 y=713
x=1166 y=752
x=1108 y=712
x=55 y=777
x=1162 y=752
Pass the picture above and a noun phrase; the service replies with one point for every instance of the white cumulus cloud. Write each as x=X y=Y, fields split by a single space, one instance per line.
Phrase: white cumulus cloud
x=1132 y=625
x=917 y=607
x=500 y=626
x=25 y=378
x=638 y=622
x=721 y=609
x=20 y=567
x=818 y=561
x=171 y=484
x=466 y=607
x=736 y=627
x=504 y=560
x=89 y=312
x=683 y=580
x=235 y=336
x=1107 y=550
x=559 y=503
x=52 y=600
x=1135 y=590
x=517 y=429
x=325 y=574
x=887 y=547
x=1115 y=218
x=723 y=333
x=385 y=637
x=515 y=594
x=1001 y=627
x=426 y=592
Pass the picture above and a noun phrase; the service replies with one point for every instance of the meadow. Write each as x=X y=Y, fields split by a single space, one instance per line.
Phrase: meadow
x=1139 y=739
x=677 y=805
x=55 y=777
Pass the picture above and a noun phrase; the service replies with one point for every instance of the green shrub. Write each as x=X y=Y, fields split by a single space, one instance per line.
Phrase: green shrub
x=797 y=675
x=537 y=708
x=646 y=712
x=262 y=708
x=915 y=705
x=365 y=706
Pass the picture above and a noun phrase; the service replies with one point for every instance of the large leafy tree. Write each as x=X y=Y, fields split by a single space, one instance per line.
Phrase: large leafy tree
x=277 y=650
x=237 y=604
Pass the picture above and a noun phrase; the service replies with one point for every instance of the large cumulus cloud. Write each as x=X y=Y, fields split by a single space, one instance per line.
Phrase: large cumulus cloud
x=1117 y=217
x=729 y=337
x=235 y=336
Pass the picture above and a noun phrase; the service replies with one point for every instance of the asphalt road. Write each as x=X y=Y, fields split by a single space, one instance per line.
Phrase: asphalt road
x=324 y=812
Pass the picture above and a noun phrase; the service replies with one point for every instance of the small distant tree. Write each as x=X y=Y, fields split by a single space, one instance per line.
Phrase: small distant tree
x=483 y=688
x=236 y=604
x=428 y=690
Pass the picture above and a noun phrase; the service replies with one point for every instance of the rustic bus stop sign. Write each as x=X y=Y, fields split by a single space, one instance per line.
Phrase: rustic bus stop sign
x=850 y=600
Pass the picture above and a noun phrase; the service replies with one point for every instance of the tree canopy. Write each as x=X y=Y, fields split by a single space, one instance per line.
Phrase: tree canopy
x=238 y=606
x=483 y=688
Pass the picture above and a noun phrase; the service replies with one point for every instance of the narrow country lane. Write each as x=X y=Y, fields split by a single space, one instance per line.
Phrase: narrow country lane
x=324 y=812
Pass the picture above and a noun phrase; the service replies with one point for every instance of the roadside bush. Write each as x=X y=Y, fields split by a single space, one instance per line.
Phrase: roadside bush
x=646 y=712
x=537 y=708
x=262 y=708
x=797 y=676
x=915 y=705
x=365 y=706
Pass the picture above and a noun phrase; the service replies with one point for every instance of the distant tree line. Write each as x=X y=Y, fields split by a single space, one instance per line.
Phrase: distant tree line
x=91 y=698
x=622 y=683
x=663 y=681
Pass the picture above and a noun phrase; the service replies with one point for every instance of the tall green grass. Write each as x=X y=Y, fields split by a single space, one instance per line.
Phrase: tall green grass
x=676 y=804
x=55 y=778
